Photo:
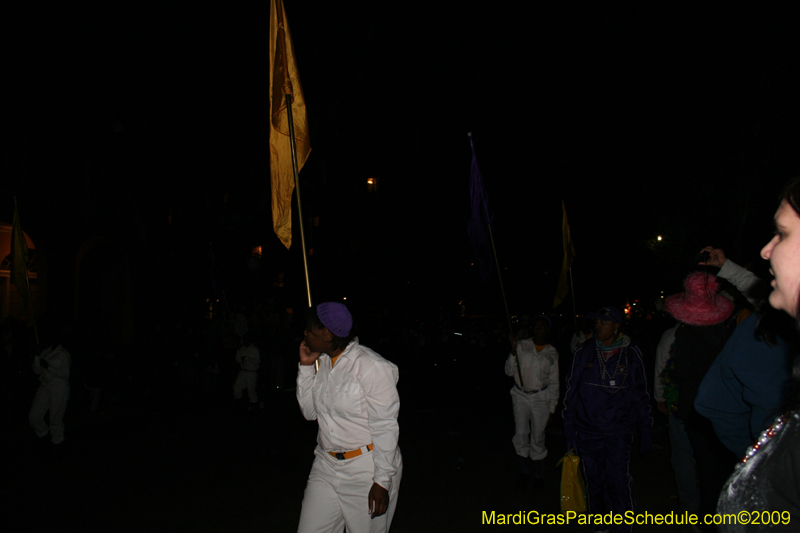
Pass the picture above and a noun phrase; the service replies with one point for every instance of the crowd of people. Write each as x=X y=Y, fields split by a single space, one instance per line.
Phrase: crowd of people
x=725 y=374
x=724 y=371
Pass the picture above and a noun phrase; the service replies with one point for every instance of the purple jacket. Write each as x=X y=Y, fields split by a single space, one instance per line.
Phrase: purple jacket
x=612 y=405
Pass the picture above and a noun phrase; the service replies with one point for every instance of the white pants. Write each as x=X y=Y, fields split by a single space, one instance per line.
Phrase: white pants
x=245 y=379
x=337 y=495
x=531 y=412
x=53 y=398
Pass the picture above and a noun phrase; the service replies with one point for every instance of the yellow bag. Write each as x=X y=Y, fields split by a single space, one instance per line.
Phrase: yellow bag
x=573 y=487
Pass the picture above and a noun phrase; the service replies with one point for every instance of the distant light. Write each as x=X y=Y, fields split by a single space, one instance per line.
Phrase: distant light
x=370 y=181
x=659 y=237
x=454 y=333
x=345 y=298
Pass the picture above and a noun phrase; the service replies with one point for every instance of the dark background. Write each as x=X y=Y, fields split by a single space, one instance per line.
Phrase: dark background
x=136 y=143
x=146 y=124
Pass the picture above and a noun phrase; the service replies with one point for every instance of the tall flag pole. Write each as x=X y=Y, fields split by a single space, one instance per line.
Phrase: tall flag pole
x=289 y=144
x=19 y=266
x=480 y=233
x=566 y=266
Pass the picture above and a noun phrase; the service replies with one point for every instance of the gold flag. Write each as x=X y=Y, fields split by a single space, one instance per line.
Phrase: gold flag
x=19 y=258
x=283 y=80
x=569 y=256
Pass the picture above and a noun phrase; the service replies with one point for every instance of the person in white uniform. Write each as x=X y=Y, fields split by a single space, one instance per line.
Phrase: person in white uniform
x=355 y=478
x=248 y=358
x=52 y=366
x=534 y=398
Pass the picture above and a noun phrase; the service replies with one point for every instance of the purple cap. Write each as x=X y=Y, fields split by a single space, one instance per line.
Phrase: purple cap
x=609 y=314
x=336 y=317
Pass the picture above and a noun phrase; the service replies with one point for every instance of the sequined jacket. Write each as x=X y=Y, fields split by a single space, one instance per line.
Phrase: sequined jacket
x=765 y=490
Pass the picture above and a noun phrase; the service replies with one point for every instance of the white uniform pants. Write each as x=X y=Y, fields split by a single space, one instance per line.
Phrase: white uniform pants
x=531 y=412
x=51 y=398
x=245 y=379
x=337 y=495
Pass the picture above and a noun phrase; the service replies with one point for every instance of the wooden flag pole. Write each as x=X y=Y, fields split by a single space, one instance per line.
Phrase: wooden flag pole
x=299 y=203
x=297 y=190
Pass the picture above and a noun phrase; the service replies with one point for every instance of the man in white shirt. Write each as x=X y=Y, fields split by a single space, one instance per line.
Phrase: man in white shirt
x=52 y=365
x=355 y=479
x=534 y=398
x=248 y=358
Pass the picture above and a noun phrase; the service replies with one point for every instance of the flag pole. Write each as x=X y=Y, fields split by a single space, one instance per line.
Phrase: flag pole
x=297 y=190
x=500 y=277
x=287 y=87
x=28 y=296
x=299 y=203
x=499 y=274
x=33 y=310
x=505 y=303
x=574 y=308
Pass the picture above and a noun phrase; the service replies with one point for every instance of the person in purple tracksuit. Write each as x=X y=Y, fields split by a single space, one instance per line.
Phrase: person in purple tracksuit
x=605 y=402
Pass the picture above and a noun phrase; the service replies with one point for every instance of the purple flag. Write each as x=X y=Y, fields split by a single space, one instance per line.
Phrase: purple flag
x=479 y=220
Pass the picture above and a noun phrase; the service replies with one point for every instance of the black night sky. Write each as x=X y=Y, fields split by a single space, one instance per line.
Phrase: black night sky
x=649 y=120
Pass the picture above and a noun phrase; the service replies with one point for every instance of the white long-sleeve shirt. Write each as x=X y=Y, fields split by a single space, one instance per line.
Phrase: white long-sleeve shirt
x=57 y=372
x=741 y=278
x=248 y=357
x=355 y=403
x=662 y=356
x=539 y=369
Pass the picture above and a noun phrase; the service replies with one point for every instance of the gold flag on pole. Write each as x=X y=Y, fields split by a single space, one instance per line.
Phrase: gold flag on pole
x=283 y=80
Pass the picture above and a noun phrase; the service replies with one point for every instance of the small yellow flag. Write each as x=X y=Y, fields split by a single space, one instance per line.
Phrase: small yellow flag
x=569 y=256
x=283 y=80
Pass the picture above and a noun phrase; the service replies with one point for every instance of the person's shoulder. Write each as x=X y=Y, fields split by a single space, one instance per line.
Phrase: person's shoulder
x=631 y=345
x=369 y=356
x=581 y=347
x=60 y=349
x=669 y=334
x=526 y=346
x=550 y=351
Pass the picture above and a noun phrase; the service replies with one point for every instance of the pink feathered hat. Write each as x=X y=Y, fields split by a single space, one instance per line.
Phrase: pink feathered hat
x=701 y=304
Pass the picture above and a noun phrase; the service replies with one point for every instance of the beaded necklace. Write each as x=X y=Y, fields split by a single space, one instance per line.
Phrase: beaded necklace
x=605 y=374
x=764 y=438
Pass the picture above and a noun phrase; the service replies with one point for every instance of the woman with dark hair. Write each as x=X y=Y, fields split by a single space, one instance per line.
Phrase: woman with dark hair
x=353 y=396
x=766 y=483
